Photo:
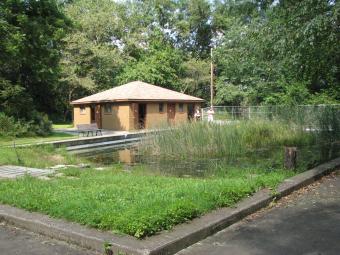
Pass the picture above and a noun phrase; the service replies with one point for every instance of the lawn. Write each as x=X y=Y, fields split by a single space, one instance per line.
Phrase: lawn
x=54 y=136
x=36 y=156
x=134 y=203
x=63 y=125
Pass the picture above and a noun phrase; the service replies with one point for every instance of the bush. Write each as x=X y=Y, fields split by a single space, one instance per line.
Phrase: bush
x=39 y=125
x=9 y=127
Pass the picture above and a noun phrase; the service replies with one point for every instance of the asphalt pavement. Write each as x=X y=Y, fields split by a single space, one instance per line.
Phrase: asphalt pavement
x=306 y=222
x=15 y=241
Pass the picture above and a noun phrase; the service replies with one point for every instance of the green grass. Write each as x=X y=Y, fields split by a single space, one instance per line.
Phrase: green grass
x=36 y=156
x=141 y=203
x=135 y=203
x=55 y=136
x=62 y=125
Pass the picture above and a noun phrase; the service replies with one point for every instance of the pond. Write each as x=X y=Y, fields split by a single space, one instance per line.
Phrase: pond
x=267 y=158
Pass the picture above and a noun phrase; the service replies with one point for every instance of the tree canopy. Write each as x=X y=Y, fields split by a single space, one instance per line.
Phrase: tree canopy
x=30 y=50
x=265 y=52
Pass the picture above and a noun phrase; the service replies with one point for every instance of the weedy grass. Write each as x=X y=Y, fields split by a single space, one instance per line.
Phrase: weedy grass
x=62 y=125
x=203 y=140
x=133 y=203
x=36 y=156
x=54 y=136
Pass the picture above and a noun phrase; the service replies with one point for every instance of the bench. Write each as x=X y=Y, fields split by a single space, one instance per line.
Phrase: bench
x=87 y=128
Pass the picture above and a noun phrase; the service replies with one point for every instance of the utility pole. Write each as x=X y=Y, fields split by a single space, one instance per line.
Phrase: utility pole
x=211 y=78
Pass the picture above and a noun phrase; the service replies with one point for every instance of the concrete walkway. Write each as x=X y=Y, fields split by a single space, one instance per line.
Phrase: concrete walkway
x=306 y=222
x=15 y=241
x=74 y=131
x=9 y=171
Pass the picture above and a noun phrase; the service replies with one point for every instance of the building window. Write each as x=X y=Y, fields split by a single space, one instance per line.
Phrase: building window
x=181 y=107
x=82 y=110
x=107 y=108
x=161 y=107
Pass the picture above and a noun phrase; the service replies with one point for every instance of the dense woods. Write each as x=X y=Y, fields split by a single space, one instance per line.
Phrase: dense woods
x=265 y=52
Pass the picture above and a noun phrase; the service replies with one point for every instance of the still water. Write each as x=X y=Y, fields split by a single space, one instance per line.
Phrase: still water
x=265 y=158
x=129 y=158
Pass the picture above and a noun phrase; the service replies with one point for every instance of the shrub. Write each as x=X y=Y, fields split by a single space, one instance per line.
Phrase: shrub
x=38 y=125
x=9 y=127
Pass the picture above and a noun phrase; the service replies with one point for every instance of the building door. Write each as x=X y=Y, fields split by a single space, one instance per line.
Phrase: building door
x=141 y=115
x=93 y=113
x=171 y=113
x=191 y=111
x=134 y=109
x=98 y=116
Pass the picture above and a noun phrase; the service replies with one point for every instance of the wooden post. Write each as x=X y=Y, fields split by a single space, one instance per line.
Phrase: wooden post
x=211 y=79
x=290 y=157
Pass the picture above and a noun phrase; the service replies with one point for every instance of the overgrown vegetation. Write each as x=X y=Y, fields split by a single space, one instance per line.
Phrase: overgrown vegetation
x=202 y=139
x=36 y=131
x=248 y=130
x=39 y=125
x=132 y=203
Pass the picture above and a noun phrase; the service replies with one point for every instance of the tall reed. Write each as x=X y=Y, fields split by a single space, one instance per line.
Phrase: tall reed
x=202 y=139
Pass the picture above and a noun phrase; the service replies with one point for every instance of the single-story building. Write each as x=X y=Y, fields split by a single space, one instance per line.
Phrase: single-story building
x=135 y=105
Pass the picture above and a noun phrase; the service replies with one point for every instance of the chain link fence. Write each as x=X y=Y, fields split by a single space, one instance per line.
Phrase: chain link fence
x=310 y=116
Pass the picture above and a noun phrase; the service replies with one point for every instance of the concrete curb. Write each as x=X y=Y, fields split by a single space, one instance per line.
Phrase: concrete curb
x=167 y=242
x=89 y=140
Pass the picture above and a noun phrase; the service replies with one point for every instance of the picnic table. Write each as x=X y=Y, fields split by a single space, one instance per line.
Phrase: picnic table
x=89 y=128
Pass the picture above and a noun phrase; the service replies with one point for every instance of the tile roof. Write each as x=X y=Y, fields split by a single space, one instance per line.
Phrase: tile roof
x=137 y=91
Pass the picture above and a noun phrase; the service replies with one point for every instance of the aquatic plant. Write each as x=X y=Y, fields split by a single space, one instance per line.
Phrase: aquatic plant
x=202 y=139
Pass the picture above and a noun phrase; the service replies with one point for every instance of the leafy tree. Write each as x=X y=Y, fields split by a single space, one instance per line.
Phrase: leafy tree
x=281 y=52
x=30 y=51
x=193 y=27
x=159 y=65
x=195 y=79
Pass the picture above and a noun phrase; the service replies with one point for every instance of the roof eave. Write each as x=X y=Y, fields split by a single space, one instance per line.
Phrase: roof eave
x=198 y=100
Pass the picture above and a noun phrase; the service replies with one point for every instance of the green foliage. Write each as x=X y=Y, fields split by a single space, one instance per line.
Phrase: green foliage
x=11 y=128
x=230 y=94
x=266 y=52
x=195 y=78
x=161 y=66
x=35 y=156
x=146 y=41
x=71 y=171
x=133 y=204
x=30 y=53
x=284 y=53
x=38 y=125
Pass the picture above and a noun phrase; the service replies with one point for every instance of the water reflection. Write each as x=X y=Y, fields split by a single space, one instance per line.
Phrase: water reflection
x=126 y=156
x=130 y=157
x=265 y=158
